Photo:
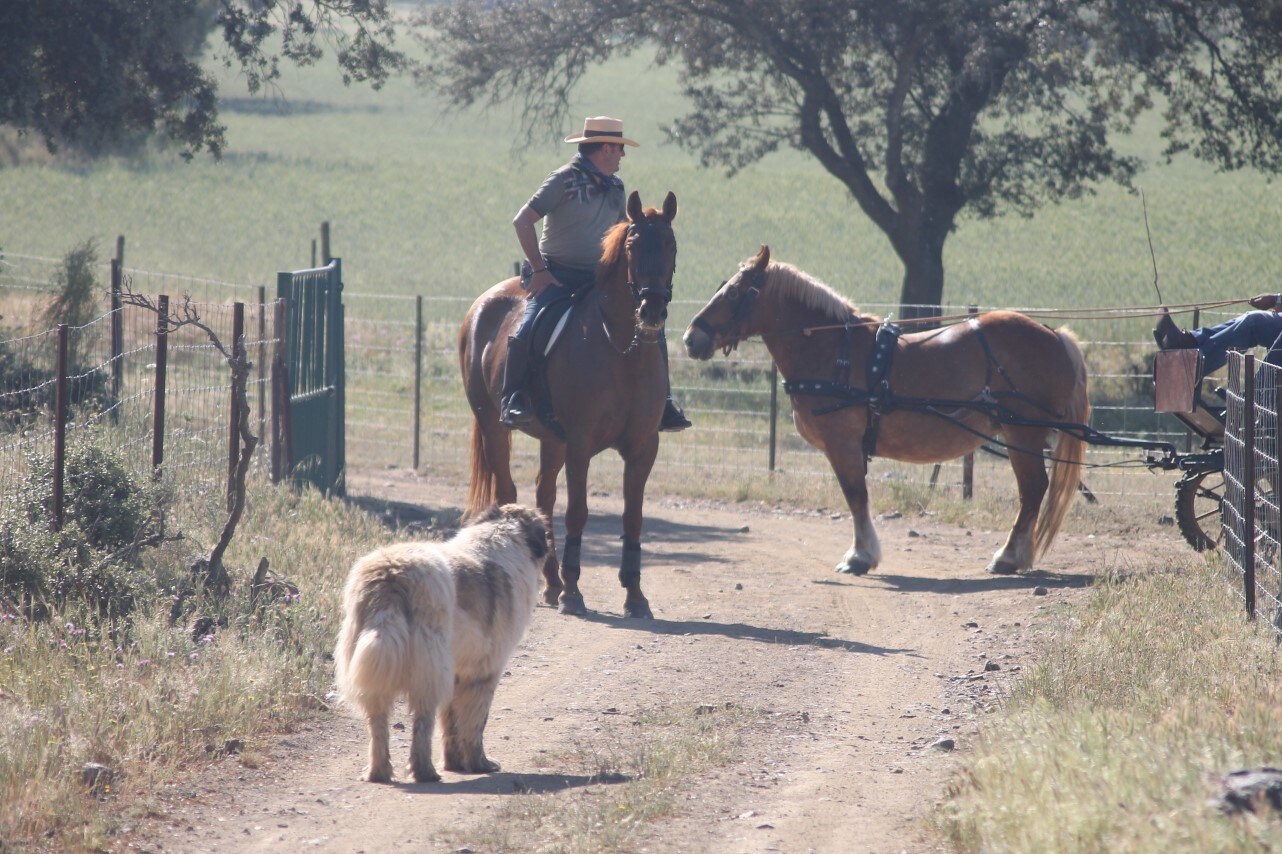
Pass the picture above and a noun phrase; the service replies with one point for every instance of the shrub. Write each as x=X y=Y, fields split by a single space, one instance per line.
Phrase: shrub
x=109 y=516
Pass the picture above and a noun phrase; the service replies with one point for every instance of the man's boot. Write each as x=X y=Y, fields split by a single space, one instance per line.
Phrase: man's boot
x=516 y=408
x=674 y=420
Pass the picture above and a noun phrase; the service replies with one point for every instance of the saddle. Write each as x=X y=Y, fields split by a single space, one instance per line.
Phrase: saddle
x=549 y=324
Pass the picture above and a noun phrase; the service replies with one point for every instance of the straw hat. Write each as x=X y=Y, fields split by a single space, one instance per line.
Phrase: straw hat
x=601 y=129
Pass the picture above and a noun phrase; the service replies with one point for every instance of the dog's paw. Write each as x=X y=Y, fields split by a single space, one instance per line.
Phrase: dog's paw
x=381 y=774
x=424 y=775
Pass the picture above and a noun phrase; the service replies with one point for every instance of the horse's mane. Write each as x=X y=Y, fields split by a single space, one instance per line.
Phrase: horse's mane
x=786 y=282
x=613 y=248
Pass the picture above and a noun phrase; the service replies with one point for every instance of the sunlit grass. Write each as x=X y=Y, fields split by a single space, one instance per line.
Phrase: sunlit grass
x=1115 y=742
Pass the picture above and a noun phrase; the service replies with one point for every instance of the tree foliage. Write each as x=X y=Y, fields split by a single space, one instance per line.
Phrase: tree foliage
x=102 y=75
x=923 y=109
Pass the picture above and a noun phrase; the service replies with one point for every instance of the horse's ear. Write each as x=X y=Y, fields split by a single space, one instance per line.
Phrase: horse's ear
x=670 y=206
x=634 y=206
x=762 y=259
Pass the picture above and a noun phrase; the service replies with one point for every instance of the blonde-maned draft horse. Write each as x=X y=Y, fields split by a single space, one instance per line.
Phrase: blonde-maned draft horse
x=946 y=392
x=606 y=382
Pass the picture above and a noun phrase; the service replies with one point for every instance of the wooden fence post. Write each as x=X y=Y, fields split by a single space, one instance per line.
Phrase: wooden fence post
x=262 y=362
x=280 y=389
x=418 y=374
x=1248 y=485
x=968 y=461
x=233 y=428
x=162 y=361
x=60 y=428
x=117 y=339
x=774 y=411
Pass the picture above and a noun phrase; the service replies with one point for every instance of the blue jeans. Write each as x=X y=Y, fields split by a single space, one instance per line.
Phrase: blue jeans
x=572 y=280
x=1251 y=329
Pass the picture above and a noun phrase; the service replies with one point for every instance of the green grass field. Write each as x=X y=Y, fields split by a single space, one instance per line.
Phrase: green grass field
x=420 y=200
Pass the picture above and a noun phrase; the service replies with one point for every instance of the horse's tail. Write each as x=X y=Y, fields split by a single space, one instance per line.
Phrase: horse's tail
x=480 y=492
x=1069 y=451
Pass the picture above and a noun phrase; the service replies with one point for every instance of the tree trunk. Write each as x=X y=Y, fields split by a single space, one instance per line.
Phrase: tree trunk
x=923 y=286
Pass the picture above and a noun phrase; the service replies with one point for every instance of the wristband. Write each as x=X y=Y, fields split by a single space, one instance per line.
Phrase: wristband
x=542 y=269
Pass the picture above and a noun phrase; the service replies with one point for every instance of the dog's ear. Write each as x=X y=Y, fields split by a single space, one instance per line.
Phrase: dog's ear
x=489 y=514
x=536 y=537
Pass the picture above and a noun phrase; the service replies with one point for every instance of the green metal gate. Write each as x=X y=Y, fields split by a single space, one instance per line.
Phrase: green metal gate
x=315 y=366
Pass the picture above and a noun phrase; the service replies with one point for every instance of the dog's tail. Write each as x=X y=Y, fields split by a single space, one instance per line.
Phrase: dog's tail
x=372 y=654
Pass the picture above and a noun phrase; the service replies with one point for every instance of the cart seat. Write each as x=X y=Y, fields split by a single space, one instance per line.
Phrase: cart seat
x=1177 y=381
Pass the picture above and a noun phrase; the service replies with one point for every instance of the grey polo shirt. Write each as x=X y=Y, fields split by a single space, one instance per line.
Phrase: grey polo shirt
x=578 y=208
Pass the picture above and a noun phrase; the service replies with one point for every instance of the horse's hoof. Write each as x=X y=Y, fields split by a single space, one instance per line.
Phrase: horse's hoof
x=1002 y=567
x=572 y=605
x=640 y=610
x=855 y=566
x=552 y=595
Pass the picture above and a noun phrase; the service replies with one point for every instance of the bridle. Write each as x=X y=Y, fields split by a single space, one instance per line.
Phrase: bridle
x=645 y=242
x=741 y=296
x=649 y=241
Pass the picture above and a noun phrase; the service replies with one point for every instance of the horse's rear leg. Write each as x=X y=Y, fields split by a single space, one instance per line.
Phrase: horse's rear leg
x=551 y=460
x=865 y=551
x=636 y=471
x=497 y=443
x=1026 y=460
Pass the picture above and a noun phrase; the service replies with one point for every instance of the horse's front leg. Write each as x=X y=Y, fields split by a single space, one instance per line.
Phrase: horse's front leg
x=636 y=471
x=1030 y=477
x=551 y=460
x=577 y=459
x=865 y=552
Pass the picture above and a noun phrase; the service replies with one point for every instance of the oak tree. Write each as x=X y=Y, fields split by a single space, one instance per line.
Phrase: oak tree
x=925 y=110
x=99 y=75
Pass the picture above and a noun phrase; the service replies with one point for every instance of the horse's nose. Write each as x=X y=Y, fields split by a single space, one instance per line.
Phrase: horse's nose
x=698 y=344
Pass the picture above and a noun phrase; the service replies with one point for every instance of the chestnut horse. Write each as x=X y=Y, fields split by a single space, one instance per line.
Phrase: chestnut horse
x=606 y=382
x=949 y=391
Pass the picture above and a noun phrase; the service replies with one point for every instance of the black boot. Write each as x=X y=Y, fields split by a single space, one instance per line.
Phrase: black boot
x=1171 y=337
x=516 y=411
x=674 y=420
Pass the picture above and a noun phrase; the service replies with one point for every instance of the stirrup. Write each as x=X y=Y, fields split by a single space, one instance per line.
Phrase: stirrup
x=516 y=410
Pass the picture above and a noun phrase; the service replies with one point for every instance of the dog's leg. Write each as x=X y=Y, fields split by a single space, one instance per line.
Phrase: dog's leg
x=421 y=768
x=380 y=759
x=463 y=725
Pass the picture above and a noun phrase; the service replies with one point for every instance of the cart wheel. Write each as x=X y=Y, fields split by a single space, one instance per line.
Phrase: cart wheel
x=1197 y=509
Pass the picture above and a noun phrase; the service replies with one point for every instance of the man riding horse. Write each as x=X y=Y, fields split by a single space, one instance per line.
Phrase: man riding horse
x=578 y=203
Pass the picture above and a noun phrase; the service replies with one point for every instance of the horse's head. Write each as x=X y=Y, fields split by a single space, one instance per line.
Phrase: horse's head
x=727 y=318
x=652 y=258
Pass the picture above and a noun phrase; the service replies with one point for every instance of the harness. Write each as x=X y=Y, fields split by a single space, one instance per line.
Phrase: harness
x=880 y=398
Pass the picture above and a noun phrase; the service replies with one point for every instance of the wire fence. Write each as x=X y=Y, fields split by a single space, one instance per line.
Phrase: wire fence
x=170 y=412
x=406 y=408
x=1252 y=522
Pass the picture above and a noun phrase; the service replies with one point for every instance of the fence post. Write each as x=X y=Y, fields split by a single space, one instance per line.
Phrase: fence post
x=120 y=250
x=968 y=461
x=418 y=373
x=117 y=333
x=60 y=428
x=233 y=431
x=325 y=256
x=262 y=361
x=280 y=389
x=774 y=410
x=162 y=361
x=1248 y=478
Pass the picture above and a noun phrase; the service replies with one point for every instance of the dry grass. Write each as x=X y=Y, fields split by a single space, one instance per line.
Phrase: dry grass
x=149 y=700
x=1115 y=742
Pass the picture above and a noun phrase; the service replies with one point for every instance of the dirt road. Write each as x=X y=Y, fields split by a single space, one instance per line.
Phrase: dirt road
x=852 y=684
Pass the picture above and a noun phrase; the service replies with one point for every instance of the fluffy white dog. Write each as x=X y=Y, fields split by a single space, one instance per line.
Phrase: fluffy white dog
x=436 y=624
